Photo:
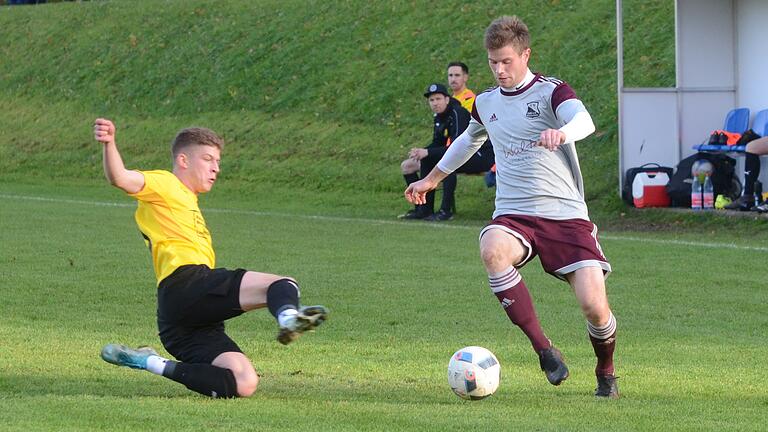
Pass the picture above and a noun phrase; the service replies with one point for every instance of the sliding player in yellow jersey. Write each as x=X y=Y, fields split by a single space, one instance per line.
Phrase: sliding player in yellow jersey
x=194 y=297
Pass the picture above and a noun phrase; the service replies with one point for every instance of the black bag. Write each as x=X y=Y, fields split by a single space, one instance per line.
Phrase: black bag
x=629 y=178
x=724 y=179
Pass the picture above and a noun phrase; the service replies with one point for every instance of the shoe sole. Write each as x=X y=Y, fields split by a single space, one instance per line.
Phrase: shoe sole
x=558 y=376
x=308 y=318
x=611 y=395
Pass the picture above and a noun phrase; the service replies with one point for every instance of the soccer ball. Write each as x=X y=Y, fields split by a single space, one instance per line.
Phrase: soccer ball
x=702 y=168
x=473 y=373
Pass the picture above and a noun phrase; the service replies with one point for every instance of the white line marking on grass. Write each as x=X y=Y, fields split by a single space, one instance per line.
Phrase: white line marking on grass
x=685 y=243
x=67 y=201
x=609 y=237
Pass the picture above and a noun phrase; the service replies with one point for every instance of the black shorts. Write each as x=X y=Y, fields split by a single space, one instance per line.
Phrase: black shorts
x=192 y=304
x=480 y=162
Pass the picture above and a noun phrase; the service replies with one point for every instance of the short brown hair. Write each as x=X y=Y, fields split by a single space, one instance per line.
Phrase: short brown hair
x=507 y=30
x=462 y=65
x=195 y=136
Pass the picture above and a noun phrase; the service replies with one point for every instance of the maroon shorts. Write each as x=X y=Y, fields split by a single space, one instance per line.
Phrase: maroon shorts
x=563 y=246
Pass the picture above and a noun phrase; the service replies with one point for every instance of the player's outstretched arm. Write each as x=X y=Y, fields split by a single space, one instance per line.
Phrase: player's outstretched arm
x=114 y=169
x=416 y=193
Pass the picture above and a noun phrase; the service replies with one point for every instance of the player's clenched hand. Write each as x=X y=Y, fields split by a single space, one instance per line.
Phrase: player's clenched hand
x=416 y=193
x=104 y=131
x=551 y=139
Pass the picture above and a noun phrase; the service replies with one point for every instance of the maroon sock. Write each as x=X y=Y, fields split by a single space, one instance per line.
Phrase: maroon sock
x=604 y=342
x=514 y=297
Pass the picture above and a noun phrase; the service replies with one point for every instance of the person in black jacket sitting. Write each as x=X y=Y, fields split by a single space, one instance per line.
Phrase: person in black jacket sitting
x=450 y=121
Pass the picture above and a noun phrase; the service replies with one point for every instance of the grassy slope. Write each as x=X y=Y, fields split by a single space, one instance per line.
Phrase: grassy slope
x=319 y=100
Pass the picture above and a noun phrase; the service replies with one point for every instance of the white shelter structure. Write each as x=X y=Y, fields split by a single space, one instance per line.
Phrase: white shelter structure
x=720 y=64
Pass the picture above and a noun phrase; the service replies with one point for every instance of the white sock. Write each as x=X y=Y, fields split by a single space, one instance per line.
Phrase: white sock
x=603 y=332
x=156 y=364
x=284 y=316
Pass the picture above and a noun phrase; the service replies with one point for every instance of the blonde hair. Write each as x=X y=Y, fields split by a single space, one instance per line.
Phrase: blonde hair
x=507 y=30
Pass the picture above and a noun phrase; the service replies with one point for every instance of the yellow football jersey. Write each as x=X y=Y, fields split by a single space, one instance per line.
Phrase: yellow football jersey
x=172 y=225
x=466 y=98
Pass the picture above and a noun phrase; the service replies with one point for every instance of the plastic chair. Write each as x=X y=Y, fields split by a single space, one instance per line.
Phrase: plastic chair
x=760 y=123
x=737 y=120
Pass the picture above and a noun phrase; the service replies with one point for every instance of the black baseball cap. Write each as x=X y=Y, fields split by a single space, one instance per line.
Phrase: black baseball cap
x=436 y=88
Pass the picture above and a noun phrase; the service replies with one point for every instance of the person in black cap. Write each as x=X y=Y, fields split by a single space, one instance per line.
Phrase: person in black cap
x=450 y=120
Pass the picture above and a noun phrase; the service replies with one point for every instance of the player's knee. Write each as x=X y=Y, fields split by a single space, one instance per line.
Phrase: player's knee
x=596 y=313
x=499 y=250
x=496 y=257
x=247 y=384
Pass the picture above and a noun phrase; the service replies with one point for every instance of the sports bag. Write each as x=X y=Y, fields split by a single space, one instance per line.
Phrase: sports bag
x=723 y=177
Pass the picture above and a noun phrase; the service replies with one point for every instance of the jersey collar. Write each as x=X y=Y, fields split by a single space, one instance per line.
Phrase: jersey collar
x=527 y=82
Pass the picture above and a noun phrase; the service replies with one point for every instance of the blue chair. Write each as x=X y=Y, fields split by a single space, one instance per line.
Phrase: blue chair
x=760 y=123
x=737 y=120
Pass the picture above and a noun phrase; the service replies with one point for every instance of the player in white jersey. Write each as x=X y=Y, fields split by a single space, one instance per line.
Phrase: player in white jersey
x=533 y=122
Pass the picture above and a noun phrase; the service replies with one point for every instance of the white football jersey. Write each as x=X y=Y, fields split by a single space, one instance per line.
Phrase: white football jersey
x=530 y=179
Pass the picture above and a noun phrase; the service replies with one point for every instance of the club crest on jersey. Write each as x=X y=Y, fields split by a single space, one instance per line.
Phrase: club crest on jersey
x=493 y=118
x=533 y=110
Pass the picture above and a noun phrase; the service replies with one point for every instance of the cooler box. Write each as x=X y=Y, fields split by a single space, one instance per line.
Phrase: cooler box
x=648 y=190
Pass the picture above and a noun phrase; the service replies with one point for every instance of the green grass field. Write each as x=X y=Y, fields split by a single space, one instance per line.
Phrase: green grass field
x=319 y=101
x=76 y=276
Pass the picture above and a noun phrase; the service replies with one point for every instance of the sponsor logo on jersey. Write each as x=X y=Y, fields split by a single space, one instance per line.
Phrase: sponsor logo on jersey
x=515 y=151
x=533 y=110
x=493 y=118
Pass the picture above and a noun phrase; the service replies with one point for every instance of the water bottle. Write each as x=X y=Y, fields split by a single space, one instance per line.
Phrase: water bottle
x=696 y=198
x=708 y=195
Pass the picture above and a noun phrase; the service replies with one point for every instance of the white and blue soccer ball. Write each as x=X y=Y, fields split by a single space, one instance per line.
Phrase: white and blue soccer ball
x=702 y=169
x=474 y=373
